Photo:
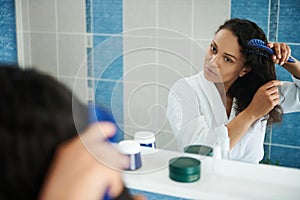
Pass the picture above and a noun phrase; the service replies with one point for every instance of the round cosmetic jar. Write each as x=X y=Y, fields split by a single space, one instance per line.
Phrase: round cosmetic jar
x=199 y=149
x=184 y=169
x=145 y=138
x=132 y=149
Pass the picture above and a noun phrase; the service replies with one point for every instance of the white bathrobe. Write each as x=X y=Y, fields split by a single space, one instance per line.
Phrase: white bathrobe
x=197 y=116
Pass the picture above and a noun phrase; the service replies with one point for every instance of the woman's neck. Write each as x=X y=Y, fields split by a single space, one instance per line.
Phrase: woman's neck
x=226 y=98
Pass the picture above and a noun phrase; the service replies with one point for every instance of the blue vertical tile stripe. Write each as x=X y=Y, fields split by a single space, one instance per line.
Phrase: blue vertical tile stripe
x=282 y=147
x=8 y=41
x=107 y=16
x=88 y=16
x=104 y=23
x=289 y=21
x=108 y=57
x=109 y=94
x=273 y=20
x=256 y=10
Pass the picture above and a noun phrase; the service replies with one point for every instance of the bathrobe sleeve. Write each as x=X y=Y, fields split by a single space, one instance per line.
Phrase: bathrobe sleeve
x=290 y=96
x=191 y=116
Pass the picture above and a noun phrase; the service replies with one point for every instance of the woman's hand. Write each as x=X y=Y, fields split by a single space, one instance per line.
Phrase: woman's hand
x=86 y=167
x=282 y=52
x=265 y=99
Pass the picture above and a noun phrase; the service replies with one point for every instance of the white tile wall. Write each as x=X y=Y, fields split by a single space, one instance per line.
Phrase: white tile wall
x=71 y=16
x=139 y=100
x=54 y=39
x=140 y=13
x=42 y=15
x=175 y=15
x=77 y=86
x=208 y=16
x=44 y=52
x=72 y=55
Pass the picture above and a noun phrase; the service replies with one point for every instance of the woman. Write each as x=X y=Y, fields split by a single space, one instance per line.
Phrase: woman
x=236 y=94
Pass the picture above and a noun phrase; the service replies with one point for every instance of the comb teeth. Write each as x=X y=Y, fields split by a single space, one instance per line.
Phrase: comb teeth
x=262 y=45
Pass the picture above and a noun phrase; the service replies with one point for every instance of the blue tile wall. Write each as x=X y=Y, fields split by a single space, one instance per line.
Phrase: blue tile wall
x=256 y=10
x=285 y=156
x=287 y=133
x=282 y=141
x=154 y=196
x=289 y=21
x=8 y=41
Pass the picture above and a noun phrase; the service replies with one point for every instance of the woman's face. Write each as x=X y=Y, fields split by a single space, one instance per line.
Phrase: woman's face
x=223 y=61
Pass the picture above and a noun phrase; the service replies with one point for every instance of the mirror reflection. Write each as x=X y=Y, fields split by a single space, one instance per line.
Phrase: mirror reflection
x=127 y=55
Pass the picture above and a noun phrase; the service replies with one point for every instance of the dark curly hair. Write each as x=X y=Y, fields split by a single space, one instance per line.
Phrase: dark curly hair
x=261 y=64
x=37 y=113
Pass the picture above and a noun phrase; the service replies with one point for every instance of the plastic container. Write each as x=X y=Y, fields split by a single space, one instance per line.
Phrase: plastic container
x=145 y=138
x=199 y=149
x=184 y=169
x=133 y=150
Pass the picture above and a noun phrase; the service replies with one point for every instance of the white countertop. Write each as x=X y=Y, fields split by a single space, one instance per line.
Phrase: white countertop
x=220 y=179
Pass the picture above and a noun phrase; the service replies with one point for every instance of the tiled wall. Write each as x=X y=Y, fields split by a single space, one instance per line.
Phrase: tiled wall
x=280 y=19
x=8 y=45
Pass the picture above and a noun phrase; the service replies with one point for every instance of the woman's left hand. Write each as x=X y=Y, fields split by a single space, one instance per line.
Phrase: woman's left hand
x=282 y=52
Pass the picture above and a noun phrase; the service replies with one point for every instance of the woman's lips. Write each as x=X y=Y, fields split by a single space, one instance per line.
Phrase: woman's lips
x=210 y=71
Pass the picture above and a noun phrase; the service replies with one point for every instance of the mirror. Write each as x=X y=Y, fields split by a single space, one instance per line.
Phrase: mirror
x=126 y=55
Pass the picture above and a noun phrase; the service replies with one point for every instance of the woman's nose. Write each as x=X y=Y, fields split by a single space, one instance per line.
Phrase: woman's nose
x=215 y=60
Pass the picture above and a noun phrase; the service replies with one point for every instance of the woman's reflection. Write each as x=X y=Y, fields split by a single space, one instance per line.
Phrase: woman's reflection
x=236 y=94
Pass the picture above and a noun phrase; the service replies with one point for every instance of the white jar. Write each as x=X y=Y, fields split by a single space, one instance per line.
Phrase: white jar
x=145 y=138
x=132 y=149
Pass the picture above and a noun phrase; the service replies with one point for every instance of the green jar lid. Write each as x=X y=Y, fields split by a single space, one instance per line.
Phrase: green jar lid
x=184 y=169
x=199 y=149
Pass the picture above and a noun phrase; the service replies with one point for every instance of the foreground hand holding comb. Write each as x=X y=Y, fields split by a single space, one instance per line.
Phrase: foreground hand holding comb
x=91 y=176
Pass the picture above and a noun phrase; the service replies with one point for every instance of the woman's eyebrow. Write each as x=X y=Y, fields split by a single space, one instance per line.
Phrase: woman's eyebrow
x=227 y=54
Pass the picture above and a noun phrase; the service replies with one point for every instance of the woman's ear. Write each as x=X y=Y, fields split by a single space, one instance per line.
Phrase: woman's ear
x=244 y=71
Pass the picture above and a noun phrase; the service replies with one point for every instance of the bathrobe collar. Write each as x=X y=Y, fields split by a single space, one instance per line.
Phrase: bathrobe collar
x=215 y=101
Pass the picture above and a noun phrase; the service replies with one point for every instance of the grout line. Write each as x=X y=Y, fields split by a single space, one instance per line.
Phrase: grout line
x=56 y=39
x=192 y=56
x=270 y=149
x=269 y=18
x=278 y=11
x=229 y=9
x=156 y=53
x=282 y=145
x=29 y=35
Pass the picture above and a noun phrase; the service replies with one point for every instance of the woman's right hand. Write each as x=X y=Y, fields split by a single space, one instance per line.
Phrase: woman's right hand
x=265 y=99
x=86 y=167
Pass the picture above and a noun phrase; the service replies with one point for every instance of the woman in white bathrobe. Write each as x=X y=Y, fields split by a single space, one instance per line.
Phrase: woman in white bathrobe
x=236 y=94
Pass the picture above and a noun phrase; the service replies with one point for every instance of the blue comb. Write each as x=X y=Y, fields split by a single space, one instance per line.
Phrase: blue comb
x=261 y=44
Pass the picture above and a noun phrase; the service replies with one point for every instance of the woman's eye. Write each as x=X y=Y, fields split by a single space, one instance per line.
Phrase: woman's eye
x=228 y=60
x=213 y=49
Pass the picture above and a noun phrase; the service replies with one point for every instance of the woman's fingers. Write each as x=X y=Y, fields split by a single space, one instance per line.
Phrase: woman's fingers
x=282 y=52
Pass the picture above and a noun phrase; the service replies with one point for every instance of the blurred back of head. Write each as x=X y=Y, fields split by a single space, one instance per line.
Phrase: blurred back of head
x=37 y=113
